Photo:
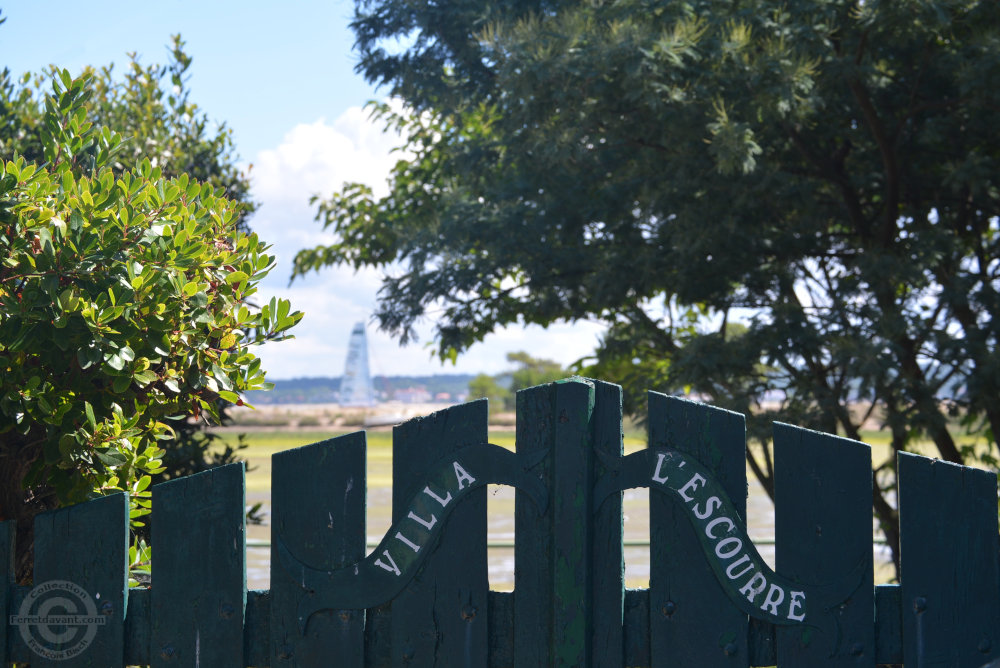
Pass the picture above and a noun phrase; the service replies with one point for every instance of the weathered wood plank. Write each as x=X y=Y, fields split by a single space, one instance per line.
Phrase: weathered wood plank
x=318 y=512
x=257 y=628
x=8 y=533
x=888 y=624
x=823 y=533
x=762 y=643
x=535 y=432
x=378 y=637
x=199 y=569
x=608 y=560
x=501 y=629
x=552 y=577
x=692 y=621
x=82 y=553
x=950 y=572
x=636 y=627
x=572 y=525
x=138 y=626
x=442 y=617
x=18 y=651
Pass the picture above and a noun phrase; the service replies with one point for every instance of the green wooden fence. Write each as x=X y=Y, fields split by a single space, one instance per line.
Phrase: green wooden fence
x=422 y=598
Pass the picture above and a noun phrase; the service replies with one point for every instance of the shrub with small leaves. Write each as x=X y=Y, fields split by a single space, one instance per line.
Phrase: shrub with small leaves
x=123 y=302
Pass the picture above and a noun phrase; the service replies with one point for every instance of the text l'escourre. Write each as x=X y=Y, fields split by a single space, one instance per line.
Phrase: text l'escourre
x=739 y=563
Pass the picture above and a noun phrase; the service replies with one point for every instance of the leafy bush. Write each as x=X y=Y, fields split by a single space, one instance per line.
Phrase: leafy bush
x=123 y=303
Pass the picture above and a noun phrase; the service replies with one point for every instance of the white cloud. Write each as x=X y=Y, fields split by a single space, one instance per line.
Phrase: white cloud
x=318 y=158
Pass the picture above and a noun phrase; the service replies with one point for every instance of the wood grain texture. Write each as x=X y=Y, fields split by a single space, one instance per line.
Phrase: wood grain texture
x=87 y=545
x=572 y=526
x=257 y=628
x=199 y=569
x=318 y=511
x=8 y=531
x=441 y=618
x=636 y=628
x=608 y=560
x=553 y=621
x=692 y=621
x=501 y=629
x=950 y=574
x=823 y=532
x=888 y=624
x=138 y=625
x=535 y=432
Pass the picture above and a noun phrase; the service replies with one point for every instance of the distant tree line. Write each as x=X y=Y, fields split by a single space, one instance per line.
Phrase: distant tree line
x=501 y=389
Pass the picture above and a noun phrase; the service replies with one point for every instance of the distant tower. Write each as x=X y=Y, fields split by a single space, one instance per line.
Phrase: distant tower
x=356 y=384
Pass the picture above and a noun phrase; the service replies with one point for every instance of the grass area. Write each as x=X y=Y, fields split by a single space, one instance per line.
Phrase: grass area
x=262 y=443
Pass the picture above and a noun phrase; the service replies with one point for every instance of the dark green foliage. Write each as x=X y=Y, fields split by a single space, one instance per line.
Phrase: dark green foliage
x=502 y=389
x=125 y=300
x=485 y=386
x=150 y=107
x=822 y=173
x=530 y=371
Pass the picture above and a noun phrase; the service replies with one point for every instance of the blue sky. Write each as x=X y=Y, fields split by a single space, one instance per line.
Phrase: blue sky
x=282 y=78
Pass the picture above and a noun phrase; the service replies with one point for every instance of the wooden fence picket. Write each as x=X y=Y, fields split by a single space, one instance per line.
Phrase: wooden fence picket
x=422 y=598
x=823 y=532
x=442 y=617
x=551 y=621
x=86 y=546
x=691 y=620
x=199 y=569
x=8 y=530
x=607 y=551
x=950 y=573
x=318 y=511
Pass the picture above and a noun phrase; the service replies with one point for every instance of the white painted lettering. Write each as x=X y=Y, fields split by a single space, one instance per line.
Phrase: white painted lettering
x=444 y=502
x=392 y=568
x=775 y=595
x=696 y=481
x=732 y=567
x=413 y=546
x=656 y=474
x=754 y=586
x=718 y=520
x=461 y=475
x=420 y=520
x=713 y=504
x=731 y=540
x=797 y=598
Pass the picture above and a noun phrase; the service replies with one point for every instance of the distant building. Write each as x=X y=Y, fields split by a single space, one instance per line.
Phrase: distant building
x=412 y=395
x=356 y=384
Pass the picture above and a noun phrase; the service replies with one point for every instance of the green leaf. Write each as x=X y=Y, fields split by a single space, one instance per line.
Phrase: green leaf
x=110 y=457
x=142 y=483
x=121 y=383
x=115 y=361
